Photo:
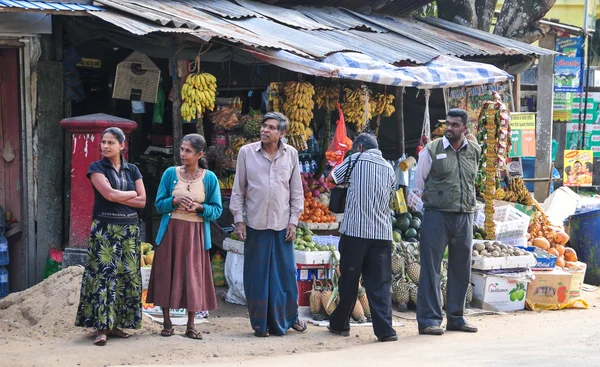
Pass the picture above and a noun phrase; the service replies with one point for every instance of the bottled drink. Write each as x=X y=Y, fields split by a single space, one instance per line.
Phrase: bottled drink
x=3 y=282
x=3 y=250
x=313 y=166
x=306 y=167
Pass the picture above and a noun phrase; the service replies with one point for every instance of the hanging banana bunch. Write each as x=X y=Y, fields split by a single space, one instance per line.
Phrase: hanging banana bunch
x=198 y=95
x=384 y=104
x=357 y=106
x=327 y=96
x=298 y=108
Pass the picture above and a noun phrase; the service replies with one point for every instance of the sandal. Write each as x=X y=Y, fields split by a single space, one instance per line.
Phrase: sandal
x=167 y=332
x=119 y=333
x=193 y=334
x=299 y=326
x=100 y=340
x=262 y=335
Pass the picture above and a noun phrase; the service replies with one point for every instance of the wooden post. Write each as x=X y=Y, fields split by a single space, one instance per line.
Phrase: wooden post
x=400 y=137
x=176 y=113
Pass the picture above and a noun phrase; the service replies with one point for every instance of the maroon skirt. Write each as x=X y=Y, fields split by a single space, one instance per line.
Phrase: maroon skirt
x=181 y=275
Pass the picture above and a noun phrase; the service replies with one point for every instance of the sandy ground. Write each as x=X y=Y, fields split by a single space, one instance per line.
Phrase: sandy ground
x=539 y=338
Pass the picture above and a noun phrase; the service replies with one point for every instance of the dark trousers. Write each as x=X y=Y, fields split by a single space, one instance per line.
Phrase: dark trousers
x=373 y=259
x=441 y=229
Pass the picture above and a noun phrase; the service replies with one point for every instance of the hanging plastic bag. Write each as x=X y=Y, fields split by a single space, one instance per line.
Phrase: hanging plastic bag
x=399 y=204
x=426 y=130
x=340 y=144
x=159 y=107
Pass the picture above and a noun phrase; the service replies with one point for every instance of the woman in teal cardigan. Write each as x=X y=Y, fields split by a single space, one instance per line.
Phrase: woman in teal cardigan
x=188 y=198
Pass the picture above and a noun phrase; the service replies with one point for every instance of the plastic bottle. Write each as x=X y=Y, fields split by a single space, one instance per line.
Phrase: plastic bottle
x=3 y=282
x=306 y=167
x=313 y=166
x=412 y=178
x=3 y=250
x=2 y=221
x=300 y=166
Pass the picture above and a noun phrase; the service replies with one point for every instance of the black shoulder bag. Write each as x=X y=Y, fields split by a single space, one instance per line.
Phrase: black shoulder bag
x=337 y=201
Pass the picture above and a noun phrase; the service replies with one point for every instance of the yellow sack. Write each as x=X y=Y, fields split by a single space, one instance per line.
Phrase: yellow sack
x=574 y=303
x=399 y=204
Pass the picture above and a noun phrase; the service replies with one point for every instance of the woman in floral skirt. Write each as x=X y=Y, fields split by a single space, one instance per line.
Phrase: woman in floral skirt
x=112 y=284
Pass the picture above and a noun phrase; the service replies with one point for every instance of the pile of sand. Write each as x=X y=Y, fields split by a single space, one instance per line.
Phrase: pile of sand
x=48 y=309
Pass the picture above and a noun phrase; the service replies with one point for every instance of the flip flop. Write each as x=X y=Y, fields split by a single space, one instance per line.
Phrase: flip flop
x=119 y=334
x=262 y=335
x=299 y=326
x=167 y=332
x=100 y=340
x=193 y=334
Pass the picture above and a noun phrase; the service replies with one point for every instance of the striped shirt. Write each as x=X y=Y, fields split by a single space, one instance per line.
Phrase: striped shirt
x=368 y=204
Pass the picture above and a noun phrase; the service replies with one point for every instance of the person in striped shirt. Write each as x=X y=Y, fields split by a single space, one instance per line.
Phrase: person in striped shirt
x=366 y=237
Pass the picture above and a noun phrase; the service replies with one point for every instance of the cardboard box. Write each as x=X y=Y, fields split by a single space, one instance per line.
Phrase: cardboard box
x=499 y=292
x=577 y=269
x=550 y=287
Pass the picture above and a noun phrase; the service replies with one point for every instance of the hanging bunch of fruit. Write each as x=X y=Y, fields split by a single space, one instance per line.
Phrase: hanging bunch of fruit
x=298 y=108
x=384 y=104
x=227 y=184
x=494 y=133
x=252 y=124
x=276 y=96
x=198 y=95
x=357 y=106
x=515 y=192
x=327 y=96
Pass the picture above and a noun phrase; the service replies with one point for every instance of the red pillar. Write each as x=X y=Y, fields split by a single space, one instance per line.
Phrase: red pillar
x=86 y=148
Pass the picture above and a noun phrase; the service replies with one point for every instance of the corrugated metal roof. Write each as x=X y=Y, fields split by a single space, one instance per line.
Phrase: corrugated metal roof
x=388 y=39
x=392 y=7
x=511 y=46
x=223 y=8
x=46 y=6
x=337 y=18
x=282 y=15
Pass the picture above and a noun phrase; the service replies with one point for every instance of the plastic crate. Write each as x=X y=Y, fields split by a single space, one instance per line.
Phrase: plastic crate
x=510 y=223
x=304 y=288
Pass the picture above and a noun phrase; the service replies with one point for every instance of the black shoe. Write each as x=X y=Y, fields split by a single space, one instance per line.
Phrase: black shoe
x=338 y=332
x=466 y=328
x=390 y=338
x=431 y=330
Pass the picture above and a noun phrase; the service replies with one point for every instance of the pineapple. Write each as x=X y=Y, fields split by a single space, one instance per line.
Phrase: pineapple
x=444 y=288
x=398 y=264
x=316 y=305
x=444 y=269
x=401 y=294
x=364 y=302
x=413 y=292
x=469 y=297
x=414 y=271
x=329 y=300
x=358 y=313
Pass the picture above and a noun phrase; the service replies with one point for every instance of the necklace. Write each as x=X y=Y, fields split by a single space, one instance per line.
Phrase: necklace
x=184 y=177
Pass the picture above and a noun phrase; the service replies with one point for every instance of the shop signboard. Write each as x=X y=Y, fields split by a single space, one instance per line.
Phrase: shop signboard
x=586 y=134
x=522 y=135
x=563 y=107
x=472 y=99
x=579 y=168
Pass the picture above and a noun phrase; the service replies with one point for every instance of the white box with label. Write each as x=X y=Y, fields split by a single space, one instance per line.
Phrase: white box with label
x=500 y=292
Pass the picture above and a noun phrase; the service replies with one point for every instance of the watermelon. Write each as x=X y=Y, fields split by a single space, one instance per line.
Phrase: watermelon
x=407 y=215
x=410 y=233
x=403 y=224
x=394 y=221
x=417 y=214
x=415 y=223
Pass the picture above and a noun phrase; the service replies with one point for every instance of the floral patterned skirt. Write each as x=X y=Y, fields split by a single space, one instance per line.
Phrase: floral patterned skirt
x=111 y=287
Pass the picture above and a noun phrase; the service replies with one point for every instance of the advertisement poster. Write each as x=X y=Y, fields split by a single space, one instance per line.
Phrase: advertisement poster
x=570 y=46
x=472 y=98
x=522 y=134
x=567 y=74
x=579 y=168
x=590 y=124
x=563 y=107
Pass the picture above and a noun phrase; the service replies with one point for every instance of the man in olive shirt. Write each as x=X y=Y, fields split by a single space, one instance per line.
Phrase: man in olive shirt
x=446 y=175
x=268 y=189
